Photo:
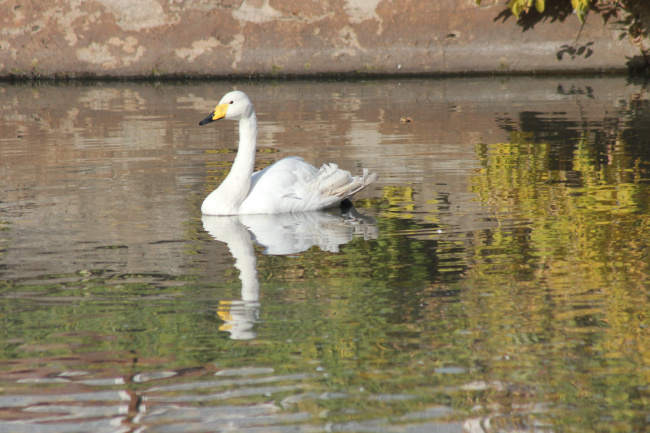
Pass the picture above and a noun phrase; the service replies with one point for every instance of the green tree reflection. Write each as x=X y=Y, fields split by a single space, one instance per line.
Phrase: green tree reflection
x=568 y=264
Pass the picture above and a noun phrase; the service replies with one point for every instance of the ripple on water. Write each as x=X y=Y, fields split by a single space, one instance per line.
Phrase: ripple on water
x=248 y=398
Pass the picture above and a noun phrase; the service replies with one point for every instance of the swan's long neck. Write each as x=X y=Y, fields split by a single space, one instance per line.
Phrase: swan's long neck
x=233 y=190
x=245 y=159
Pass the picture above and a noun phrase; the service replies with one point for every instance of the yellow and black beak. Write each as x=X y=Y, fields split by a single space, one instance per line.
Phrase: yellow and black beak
x=218 y=113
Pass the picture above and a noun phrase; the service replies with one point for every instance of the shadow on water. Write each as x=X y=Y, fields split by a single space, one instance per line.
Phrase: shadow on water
x=493 y=279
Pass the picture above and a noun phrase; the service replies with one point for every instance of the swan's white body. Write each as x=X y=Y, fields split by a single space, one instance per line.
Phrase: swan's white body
x=289 y=185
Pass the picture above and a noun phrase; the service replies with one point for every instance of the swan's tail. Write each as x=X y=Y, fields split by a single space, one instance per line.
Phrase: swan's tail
x=357 y=184
x=340 y=184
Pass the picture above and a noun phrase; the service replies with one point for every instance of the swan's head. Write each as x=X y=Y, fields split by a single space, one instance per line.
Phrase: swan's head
x=234 y=105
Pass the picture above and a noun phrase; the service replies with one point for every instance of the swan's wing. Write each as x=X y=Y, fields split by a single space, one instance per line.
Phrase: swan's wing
x=331 y=181
x=282 y=177
x=330 y=186
x=292 y=185
x=273 y=190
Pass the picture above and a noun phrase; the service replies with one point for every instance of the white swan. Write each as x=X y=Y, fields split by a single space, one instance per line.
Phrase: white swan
x=289 y=185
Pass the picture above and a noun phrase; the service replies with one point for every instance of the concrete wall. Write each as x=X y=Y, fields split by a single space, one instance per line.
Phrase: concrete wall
x=133 y=38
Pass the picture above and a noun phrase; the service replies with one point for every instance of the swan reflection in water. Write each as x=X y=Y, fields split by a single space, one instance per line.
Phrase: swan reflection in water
x=279 y=234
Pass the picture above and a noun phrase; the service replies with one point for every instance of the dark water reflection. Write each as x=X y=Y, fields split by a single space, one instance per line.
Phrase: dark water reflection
x=493 y=279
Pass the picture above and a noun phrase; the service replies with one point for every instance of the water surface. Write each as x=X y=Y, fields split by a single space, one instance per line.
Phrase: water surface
x=493 y=279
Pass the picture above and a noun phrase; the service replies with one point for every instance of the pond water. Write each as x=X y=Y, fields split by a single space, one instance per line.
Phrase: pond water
x=495 y=277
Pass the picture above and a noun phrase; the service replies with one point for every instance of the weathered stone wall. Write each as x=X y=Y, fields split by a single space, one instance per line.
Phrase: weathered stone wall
x=132 y=38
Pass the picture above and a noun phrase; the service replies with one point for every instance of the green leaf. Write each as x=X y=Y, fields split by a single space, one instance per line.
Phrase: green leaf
x=516 y=7
x=581 y=7
x=539 y=5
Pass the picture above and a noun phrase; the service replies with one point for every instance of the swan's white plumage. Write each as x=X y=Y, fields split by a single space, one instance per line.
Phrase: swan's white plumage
x=289 y=185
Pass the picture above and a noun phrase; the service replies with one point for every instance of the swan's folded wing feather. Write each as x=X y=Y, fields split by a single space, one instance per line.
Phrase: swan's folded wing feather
x=292 y=185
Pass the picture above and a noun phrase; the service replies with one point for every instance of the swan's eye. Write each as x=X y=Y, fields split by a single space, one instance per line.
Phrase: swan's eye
x=231 y=102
